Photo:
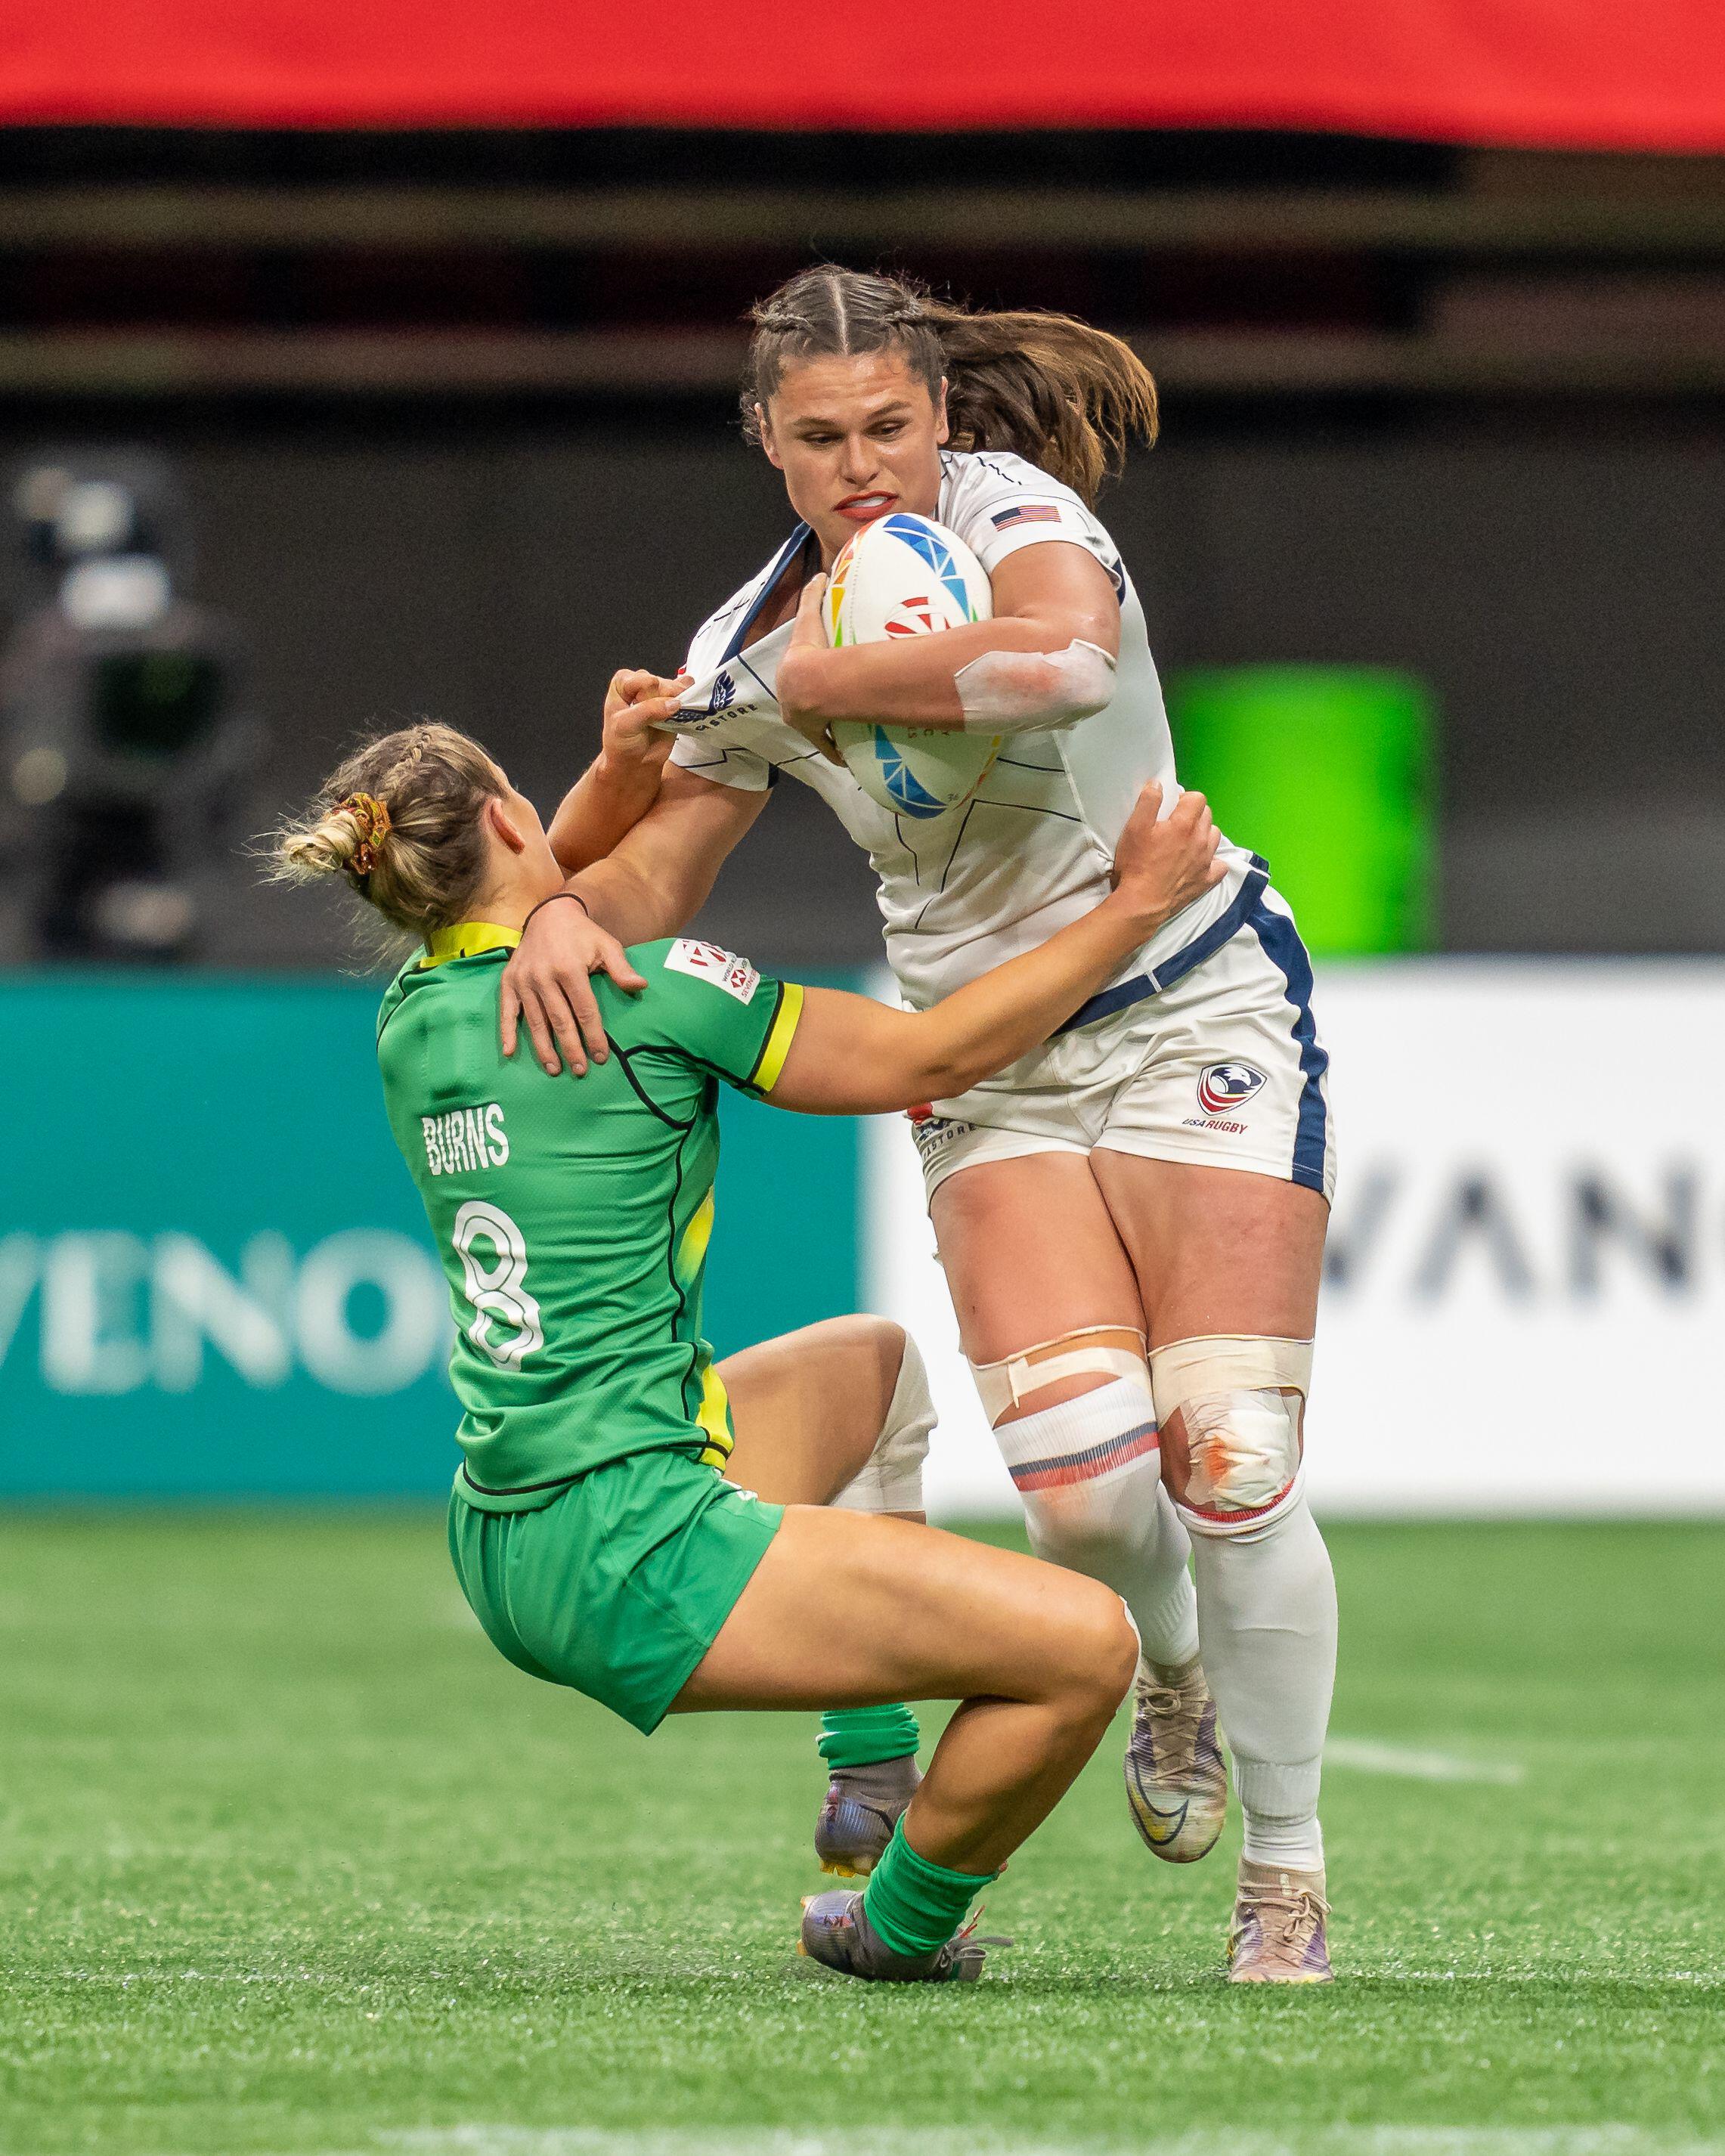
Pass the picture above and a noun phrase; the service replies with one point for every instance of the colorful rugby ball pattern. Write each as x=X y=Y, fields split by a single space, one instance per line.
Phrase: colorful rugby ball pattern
x=907 y=576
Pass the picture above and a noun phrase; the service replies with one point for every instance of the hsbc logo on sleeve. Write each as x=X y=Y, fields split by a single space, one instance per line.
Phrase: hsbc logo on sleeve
x=707 y=962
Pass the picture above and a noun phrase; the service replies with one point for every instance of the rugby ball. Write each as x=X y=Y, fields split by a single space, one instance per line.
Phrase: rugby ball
x=907 y=576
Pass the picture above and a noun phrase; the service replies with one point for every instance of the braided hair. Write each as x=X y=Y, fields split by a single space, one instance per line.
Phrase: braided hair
x=399 y=819
x=1069 y=397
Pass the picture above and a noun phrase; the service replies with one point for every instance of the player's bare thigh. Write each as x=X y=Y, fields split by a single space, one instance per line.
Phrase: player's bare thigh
x=808 y=1407
x=1031 y=1254
x=846 y=1609
x=1215 y=1250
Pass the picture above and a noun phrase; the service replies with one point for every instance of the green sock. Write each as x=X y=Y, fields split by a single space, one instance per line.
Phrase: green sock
x=914 y=1905
x=859 y=1736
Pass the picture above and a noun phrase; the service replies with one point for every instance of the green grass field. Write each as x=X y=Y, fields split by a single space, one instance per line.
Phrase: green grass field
x=291 y=1861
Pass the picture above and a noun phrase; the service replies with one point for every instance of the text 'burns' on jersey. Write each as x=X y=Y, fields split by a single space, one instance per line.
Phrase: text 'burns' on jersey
x=572 y=1214
x=1031 y=851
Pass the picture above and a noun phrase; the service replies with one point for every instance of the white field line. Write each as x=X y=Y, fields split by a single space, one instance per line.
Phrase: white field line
x=1366 y=1757
x=947 y=2141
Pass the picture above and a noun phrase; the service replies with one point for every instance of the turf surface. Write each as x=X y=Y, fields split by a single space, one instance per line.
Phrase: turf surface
x=292 y=1861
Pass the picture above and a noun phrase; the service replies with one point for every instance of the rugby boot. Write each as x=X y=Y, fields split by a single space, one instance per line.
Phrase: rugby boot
x=1278 y=1931
x=837 y=1933
x=1176 y=1779
x=863 y=1805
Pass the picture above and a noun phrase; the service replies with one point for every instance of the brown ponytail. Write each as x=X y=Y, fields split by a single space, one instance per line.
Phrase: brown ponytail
x=400 y=821
x=1069 y=397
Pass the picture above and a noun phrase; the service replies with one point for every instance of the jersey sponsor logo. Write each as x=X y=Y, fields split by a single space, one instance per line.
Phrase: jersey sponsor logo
x=724 y=692
x=722 y=969
x=934 y=1134
x=1026 y=512
x=465 y=1140
x=1227 y=1086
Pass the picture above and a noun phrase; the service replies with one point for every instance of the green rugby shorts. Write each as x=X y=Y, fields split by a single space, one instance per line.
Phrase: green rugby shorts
x=616 y=1584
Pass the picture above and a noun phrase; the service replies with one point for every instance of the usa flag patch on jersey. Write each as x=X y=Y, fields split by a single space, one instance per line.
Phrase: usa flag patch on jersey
x=1027 y=512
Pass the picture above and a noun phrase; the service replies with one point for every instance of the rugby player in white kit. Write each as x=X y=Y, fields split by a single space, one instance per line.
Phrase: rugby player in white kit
x=1131 y=1218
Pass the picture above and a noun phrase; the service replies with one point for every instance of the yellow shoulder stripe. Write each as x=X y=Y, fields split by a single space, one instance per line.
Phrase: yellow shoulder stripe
x=467 y=939
x=778 y=1041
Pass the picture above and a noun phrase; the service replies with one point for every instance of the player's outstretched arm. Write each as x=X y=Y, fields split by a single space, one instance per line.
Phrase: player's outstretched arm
x=652 y=884
x=621 y=783
x=851 y=1056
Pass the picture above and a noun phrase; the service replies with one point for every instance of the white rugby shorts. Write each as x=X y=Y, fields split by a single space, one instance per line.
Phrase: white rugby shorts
x=1216 y=1061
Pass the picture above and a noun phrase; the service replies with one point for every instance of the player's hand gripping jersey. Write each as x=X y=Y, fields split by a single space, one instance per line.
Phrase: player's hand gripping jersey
x=1032 y=850
x=572 y=1219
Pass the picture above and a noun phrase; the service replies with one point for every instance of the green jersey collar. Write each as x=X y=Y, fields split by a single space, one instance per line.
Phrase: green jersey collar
x=467 y=939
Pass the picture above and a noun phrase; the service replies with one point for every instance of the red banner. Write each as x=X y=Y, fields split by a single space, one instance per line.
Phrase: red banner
x=1606 y=74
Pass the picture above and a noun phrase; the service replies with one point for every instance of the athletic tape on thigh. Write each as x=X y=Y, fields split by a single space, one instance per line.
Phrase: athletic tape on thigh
x=1241 y=1398
x=1002 y=1385
x=891 y=1479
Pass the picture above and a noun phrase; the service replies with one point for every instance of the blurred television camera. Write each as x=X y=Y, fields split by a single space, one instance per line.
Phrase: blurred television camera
x=124 y=739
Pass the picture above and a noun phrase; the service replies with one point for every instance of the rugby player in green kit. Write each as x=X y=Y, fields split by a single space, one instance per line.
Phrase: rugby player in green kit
x=630 y=1519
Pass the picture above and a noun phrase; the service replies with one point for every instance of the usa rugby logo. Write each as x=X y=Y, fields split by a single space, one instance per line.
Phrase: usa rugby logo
x=1225 y=1086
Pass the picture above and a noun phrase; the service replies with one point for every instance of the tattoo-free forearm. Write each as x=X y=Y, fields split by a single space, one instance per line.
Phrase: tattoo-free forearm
x=1002 y=676
x=625 y=903
x=599 y=811
x=854 y=1056
x=1003 y=1014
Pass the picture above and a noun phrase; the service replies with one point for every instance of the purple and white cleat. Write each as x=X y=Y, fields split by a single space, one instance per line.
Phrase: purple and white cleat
x=1176 y=1779
x=1278 y=1934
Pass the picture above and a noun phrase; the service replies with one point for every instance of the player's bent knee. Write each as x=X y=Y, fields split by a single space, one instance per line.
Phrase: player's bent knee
x=1240 y=1400
x=1098 y=1649
x=891 y=1479
x=1117 y=1667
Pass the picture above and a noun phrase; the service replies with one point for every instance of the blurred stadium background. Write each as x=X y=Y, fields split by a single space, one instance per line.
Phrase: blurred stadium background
x=357 y=364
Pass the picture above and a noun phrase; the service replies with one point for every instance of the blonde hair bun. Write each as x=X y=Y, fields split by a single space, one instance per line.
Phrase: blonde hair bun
x=400 y=819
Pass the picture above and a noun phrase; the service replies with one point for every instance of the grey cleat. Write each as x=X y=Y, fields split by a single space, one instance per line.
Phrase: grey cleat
x=837 y=1933
x=862 y=1807
x=1176 y=1779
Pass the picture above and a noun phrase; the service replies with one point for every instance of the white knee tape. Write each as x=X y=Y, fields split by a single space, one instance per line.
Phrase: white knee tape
x=1241 y=1400
x=1002 y=1385
x=891 y=1480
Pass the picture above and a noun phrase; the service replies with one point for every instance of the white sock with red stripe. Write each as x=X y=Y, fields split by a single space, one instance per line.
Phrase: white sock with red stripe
x=1090 y=1475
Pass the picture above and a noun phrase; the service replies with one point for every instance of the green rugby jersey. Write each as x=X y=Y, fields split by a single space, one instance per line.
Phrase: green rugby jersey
x=572 y=1214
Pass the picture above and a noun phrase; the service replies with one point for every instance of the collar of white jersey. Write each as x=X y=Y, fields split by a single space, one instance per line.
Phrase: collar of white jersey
x=467 y=939
x=769 y=582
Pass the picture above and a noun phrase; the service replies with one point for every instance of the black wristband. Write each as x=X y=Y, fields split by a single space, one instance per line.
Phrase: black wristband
x=553 y=901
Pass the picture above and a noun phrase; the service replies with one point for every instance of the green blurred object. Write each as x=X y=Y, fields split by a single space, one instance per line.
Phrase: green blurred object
x=1327 y=771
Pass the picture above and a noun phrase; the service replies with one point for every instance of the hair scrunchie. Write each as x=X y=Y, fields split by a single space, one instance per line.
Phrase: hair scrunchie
x=372 y=819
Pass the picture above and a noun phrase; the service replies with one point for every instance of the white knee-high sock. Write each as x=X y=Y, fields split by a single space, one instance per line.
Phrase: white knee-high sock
x=1091 y=1479
x=1266 y=1609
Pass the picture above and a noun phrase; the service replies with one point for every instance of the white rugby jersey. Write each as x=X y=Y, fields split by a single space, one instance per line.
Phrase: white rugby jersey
x=1032 y=849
